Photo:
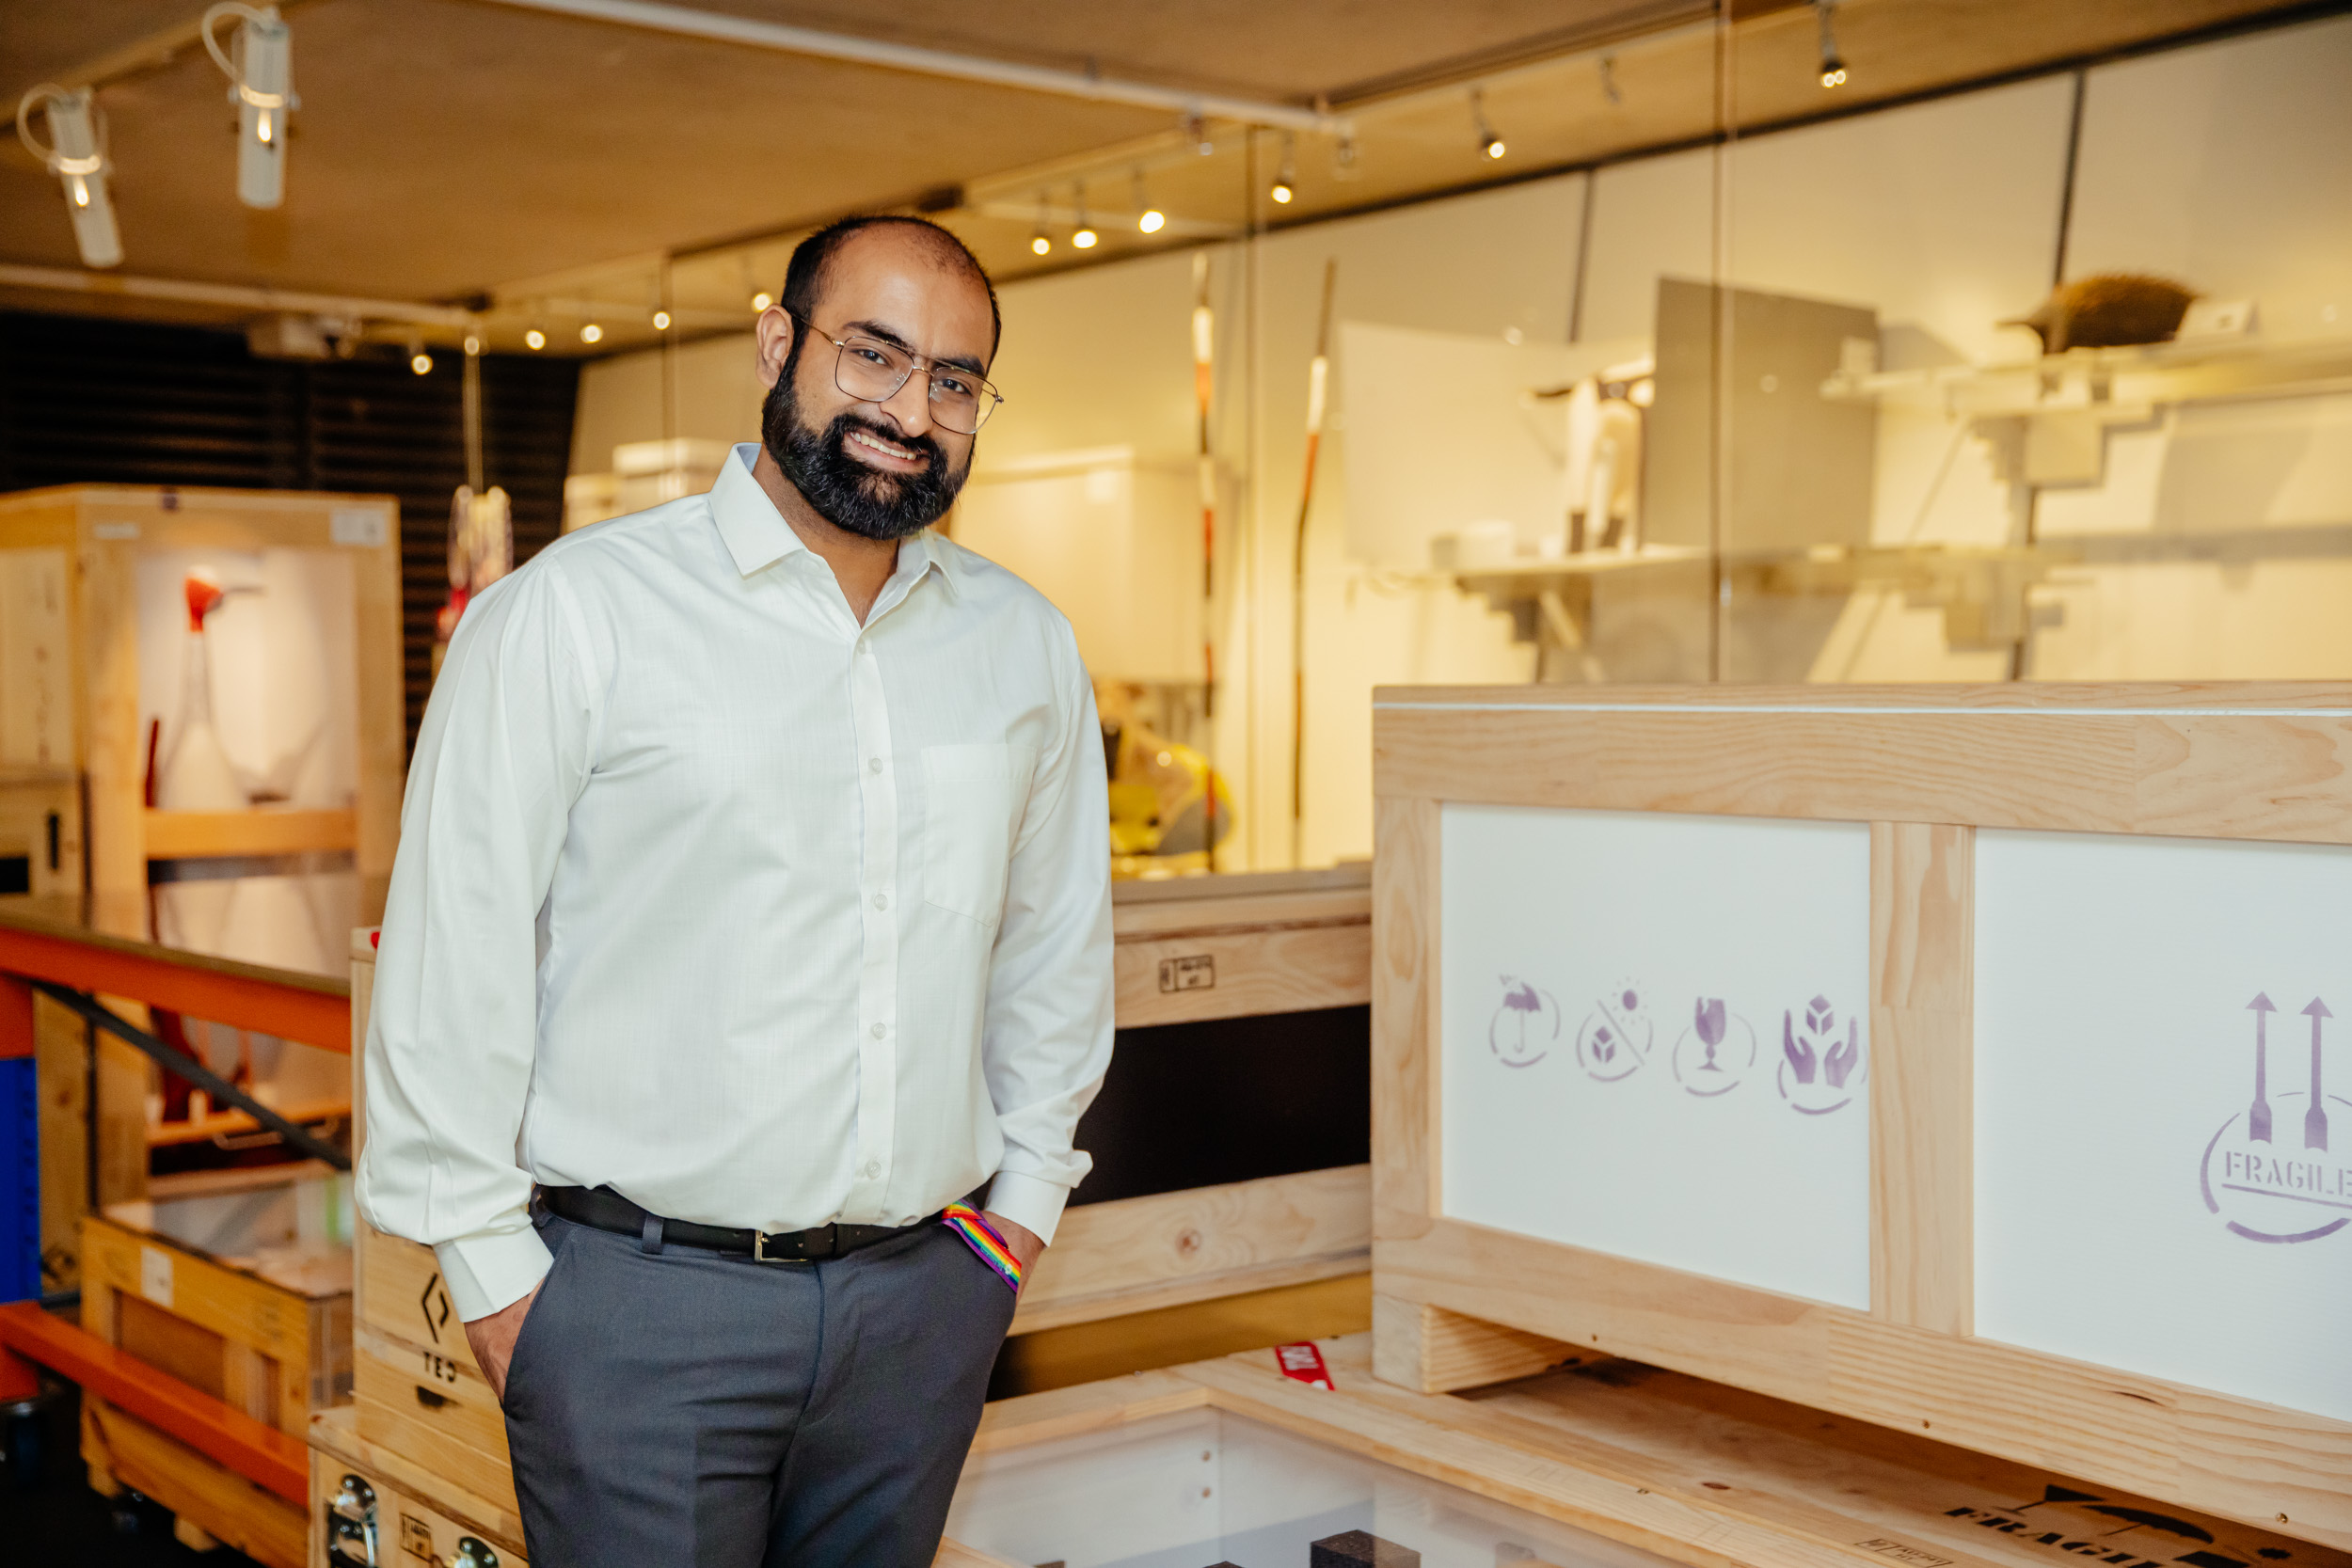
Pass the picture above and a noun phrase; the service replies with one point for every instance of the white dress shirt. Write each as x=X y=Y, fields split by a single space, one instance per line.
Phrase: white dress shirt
x=707 y=893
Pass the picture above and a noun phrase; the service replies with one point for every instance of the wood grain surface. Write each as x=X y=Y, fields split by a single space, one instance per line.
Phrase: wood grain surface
x=1698 y=1472
x=224 y=1504
x=2257 y=762
x=1138 y=1254
x=1922 y=1086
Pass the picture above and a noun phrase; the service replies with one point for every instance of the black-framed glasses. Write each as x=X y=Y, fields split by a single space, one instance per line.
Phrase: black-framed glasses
x=872 y=370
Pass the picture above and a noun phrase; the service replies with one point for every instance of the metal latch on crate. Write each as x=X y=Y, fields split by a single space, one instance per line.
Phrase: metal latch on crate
x=351 y=1526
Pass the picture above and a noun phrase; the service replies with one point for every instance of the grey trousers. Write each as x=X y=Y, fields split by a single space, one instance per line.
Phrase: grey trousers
x=684 y=1409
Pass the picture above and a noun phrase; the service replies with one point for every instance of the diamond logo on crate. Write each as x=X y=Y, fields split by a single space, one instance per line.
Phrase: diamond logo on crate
x=435 y=1304
x=2268 y=1172
x=1819 y=1073
x=1526 y=1026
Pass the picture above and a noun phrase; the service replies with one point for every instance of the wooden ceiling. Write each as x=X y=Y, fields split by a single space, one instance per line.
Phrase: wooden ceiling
x=456 y=150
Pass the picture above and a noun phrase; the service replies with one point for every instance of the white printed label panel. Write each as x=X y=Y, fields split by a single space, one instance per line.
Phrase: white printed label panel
x=1655 y=1039
x=2164 y=1109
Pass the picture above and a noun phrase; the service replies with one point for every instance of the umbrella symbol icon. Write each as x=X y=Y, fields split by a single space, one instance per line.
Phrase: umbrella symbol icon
x=1526 y=1026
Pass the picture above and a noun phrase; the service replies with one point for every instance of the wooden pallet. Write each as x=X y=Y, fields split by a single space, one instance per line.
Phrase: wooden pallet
x=1697 y=1472
x=270 y=1342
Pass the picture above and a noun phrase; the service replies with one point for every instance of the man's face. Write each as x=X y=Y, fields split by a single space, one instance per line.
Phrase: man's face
x=884 y=470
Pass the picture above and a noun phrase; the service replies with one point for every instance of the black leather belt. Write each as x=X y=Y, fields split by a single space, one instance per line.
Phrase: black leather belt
x=607 y=1210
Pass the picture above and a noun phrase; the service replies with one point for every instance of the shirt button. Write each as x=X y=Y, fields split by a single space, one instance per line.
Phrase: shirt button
x=873 y=765
x=880 y=1031
x=882 y=900
x=873 y=1168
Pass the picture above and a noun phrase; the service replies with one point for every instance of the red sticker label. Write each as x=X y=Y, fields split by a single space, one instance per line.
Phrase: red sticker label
x=1303 y=1363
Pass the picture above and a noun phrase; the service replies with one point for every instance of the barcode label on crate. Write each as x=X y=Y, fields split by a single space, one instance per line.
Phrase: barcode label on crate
x=155 y=1276
x=1193 y=972
x=357 y=525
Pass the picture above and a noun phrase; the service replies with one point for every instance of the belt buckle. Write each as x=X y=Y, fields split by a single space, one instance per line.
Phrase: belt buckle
x=759 y=1249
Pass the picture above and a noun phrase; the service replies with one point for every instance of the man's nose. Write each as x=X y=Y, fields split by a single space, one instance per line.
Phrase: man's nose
x=911 y=404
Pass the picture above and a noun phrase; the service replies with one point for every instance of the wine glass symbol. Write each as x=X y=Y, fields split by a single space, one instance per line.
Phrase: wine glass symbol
x=1709 y=1020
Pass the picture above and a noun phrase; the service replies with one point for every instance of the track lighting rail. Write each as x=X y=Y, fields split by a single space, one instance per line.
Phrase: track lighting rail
x=751 y=31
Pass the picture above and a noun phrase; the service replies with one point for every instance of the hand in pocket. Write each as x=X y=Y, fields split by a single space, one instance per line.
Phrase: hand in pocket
x=493 y=1339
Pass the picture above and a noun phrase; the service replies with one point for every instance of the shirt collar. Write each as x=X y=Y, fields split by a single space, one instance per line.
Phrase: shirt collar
x=757 y=536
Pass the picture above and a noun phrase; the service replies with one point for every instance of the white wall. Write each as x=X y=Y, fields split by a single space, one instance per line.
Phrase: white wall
x=2227 y=165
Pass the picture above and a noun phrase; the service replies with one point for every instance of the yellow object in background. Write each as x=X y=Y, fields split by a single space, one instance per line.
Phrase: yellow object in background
x=1160 y=794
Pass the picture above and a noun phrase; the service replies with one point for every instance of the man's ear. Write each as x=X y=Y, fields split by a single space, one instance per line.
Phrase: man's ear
x=772 y=337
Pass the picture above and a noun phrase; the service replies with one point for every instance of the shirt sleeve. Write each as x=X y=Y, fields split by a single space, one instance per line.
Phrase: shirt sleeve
x=1046 y=1040
x=505 y=750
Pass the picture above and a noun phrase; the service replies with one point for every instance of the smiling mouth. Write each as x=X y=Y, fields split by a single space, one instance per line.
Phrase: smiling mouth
x=887 y=447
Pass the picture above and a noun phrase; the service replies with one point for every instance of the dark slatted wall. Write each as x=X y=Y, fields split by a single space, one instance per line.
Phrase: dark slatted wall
x=84 y=399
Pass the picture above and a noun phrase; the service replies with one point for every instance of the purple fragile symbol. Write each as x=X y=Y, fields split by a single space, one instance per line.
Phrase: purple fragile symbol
x=1709 y=1020
x=1837 y=1063
x=1800 y=1052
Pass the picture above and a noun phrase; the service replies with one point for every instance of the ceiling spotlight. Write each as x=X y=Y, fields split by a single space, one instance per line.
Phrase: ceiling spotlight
x=592 y=333
x=1148 y=218
x=1343 y=158
x=259 y=65
x=661 y=321
x=76 y=154
x=1084 y=235
x=419 y=361
x=1285 y=184
x=1488 y=143
x=1039 y=240
x=1833 y=64
x=1608 y=79
x=763 y=299
x=1197 y=132
x=473 y=345
x=535 y=340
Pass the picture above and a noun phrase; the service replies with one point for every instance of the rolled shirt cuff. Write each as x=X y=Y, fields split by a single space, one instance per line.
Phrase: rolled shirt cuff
x=491 y=1270
x=1028 y=1201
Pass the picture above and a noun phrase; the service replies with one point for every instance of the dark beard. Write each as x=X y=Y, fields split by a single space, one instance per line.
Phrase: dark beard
x=844 y=491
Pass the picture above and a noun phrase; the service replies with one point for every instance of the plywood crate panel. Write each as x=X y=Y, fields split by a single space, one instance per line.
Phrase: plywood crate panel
x=2006 y=917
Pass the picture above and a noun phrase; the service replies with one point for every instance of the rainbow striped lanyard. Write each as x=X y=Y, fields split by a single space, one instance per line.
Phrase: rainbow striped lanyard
x=982 y=1237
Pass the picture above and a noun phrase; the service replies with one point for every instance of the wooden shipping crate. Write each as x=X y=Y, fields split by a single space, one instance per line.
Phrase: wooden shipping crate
x=371 y=1504
x=239 y=1287
x=94 y=636
x=1604 y=1462
x=1598 y=1462
x=70 y=569
x=1886 y=1051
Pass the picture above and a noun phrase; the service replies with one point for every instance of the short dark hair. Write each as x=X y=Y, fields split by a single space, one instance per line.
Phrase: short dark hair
x=805 y=276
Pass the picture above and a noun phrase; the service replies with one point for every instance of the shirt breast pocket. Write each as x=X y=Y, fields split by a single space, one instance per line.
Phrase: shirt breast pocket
x=972 y=798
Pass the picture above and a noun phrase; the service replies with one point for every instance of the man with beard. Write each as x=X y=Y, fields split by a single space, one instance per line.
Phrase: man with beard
x=752 y=907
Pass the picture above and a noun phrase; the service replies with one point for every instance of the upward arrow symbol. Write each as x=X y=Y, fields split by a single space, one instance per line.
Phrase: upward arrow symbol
x=2315 y=1119
x=2258 y=1119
